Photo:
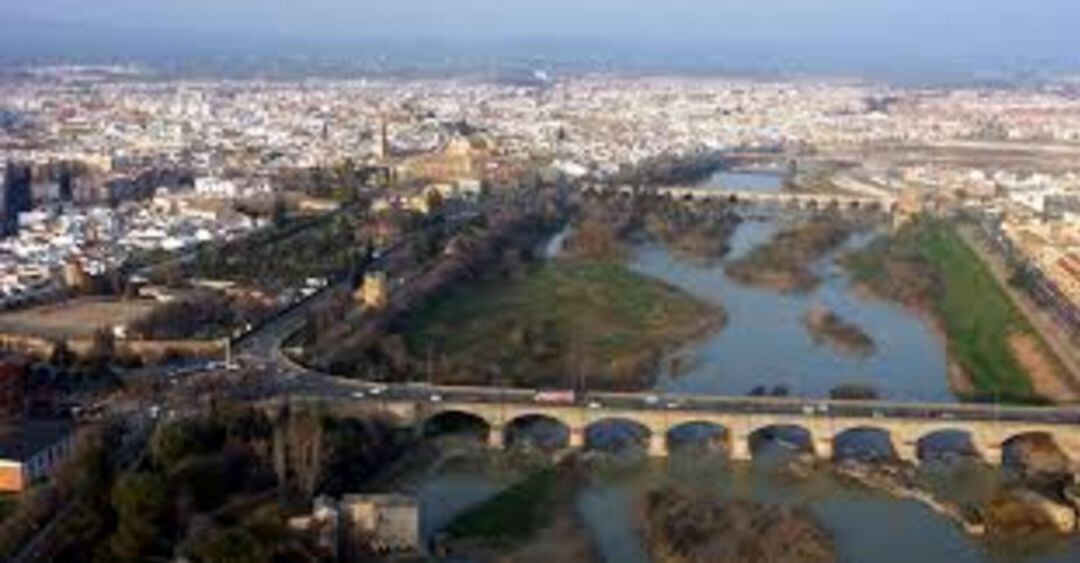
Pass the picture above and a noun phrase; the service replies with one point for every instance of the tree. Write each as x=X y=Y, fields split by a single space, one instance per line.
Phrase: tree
x=232 y=545
x=140 y=501
x=298 y=449
x=103 y=347
x=279 y=212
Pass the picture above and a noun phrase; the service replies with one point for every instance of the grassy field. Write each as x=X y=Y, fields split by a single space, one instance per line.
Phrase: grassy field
x=76 y=318
x=930 y=266
x=556 y=321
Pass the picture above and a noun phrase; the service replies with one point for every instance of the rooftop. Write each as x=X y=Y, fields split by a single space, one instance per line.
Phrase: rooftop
x=21 y=440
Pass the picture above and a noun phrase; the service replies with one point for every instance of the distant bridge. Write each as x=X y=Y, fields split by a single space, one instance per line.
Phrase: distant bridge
x=987 y=429
x=796 y=200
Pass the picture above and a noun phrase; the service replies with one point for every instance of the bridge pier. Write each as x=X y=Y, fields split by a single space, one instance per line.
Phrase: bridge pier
x=576 y=439
x=658 y=445
x=823 y=448
x=906 y=450
x=989 y=452
x=496 y=438
x=739 y=448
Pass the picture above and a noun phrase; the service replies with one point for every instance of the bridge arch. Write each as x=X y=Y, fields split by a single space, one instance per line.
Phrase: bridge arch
x=865 y=443
x=790 y=437
x=611 y=434
x=539 y=430
x=698 y=435
x=940 y=443
x=457 y=421
x=1022 y=448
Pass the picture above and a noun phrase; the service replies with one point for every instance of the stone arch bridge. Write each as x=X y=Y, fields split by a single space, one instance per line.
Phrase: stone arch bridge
x=988 y=428
x=781 y=199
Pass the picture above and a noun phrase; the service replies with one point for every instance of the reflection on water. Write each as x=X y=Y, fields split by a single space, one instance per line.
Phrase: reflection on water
x=866 y=526
x=446 y=495
x=766 y=343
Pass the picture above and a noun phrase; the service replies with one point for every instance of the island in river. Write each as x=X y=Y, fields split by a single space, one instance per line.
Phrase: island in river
x=558 y=320
x=841 y=335
x=684 y=526
x=784 y=263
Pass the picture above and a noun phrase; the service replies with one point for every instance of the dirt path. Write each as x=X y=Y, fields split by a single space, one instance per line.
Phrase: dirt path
x=1046 y=378
x=1058 y=387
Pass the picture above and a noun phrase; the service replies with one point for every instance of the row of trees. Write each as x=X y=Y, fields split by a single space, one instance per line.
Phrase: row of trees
x=212 y=488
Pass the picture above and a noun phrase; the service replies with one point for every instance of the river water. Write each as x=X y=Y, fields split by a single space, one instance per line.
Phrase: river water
x=765 y=343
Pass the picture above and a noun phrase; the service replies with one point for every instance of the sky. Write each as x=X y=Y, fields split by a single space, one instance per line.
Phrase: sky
x=911 y=32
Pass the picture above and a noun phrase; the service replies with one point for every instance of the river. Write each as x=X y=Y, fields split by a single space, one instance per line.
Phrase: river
x=765 y=343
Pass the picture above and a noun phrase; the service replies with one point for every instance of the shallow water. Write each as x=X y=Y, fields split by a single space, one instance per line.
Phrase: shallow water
x=765 y=341
x=866 y=526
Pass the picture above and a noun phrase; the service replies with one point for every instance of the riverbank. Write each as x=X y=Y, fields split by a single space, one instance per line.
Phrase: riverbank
x=1066 y=386
x=559 y=321
x=927 y=266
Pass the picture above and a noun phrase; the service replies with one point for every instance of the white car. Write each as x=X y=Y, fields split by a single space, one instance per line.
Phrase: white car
x=378 y=390
x=358 y=394
x=594 y=405
x=436 y=398
x=651 y=400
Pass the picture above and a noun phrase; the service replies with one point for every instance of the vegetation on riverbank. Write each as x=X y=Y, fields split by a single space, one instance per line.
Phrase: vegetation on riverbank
x=688 y=526
x=533 y=520
x=557 y=322
x=784 y=263
x=698 y=230
x=926 y=265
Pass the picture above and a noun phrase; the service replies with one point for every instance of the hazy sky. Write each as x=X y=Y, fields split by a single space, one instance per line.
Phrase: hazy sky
x=959 y=30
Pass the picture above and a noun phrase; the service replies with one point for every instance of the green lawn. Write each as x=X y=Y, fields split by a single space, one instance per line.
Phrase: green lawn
x=977 y=313
x=929 y=264
x=558 y=319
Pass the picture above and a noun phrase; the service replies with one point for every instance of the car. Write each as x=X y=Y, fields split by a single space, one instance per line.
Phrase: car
x=594 y=405
x=358 y=394
x=436 y=398
x=674 y=404
x=808 y=410
x=651 y=399
x=378 y=390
